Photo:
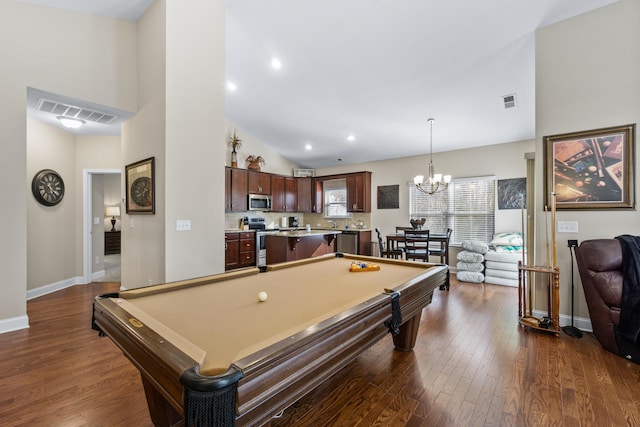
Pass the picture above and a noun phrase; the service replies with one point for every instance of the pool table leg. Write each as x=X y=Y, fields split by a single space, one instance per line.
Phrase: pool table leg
x=406 y=339
x=161 y=412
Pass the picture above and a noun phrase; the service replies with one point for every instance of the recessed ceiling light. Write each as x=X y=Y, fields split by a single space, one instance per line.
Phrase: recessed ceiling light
x=308 y=147
x=231 y=86
x=276 y=63
x=70 y=122
x=351 y=138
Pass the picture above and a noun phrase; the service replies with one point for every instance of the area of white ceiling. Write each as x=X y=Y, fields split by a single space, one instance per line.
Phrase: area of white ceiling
x=377 y=69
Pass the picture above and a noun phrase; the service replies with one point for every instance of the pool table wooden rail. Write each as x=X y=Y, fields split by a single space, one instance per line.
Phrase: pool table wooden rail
x=277 y=376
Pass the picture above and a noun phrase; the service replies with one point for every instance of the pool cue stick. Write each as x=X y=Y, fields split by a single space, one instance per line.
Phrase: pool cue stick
x=522 y=306
x=554 y=257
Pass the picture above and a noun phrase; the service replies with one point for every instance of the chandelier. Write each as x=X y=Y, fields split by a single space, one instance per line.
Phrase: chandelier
x=435 y=182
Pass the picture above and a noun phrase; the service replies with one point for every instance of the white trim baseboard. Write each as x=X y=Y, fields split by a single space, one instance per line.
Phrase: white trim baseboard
x=14 y=324
x=53 y=287
x=582 y=323
x=98 y=275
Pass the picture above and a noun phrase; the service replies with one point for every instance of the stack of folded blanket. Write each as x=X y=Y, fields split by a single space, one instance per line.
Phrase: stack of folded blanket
x=471 y=261
x=501 y=260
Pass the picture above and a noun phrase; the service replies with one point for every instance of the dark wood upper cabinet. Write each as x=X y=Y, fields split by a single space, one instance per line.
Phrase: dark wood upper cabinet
x=359 y=192
x=277 y=193
x=305 y=195
x=283 y=194
x=318 y=196
x=237 y=195
x=259 y=182
x=290 y=194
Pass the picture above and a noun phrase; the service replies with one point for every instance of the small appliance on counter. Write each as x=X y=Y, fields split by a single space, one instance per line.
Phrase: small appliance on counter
x=293 y=222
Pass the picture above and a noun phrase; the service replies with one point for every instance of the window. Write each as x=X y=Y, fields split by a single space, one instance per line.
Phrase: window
x=335 y=198
x=467 y=207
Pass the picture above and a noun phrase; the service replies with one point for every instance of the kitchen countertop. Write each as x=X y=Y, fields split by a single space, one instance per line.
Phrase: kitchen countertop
x=303 y=233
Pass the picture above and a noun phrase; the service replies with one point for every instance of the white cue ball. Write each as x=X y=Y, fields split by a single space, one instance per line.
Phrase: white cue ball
x=262 y=296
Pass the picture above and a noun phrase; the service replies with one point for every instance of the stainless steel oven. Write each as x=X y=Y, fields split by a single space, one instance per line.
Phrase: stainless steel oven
x=261 y=241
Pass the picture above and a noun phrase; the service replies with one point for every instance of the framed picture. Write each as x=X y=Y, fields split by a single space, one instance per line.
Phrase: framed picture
x=512 y=193
x=592 y=169
x=388 y=196
x=303 y=173
x=140 y=184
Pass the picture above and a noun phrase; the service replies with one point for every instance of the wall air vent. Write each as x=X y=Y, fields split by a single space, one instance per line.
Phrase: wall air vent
x=509 y=100
x=60 y=109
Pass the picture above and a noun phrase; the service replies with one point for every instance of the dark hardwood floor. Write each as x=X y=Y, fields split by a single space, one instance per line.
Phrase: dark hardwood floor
x=472 y=366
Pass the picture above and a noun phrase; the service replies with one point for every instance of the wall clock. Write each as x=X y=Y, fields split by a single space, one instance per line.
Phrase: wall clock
x=141 y=191
x=48 y=187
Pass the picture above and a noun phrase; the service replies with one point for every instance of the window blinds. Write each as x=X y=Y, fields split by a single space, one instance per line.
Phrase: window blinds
x=467 y=207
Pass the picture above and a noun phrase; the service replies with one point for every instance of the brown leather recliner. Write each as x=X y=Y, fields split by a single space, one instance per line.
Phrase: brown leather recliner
x=600 y=265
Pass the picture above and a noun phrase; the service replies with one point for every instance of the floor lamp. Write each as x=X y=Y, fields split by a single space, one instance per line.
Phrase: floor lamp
x=572 y=331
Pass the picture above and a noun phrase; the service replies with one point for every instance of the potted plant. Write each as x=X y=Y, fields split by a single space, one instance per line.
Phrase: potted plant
x=255 y=162
x=236 y=144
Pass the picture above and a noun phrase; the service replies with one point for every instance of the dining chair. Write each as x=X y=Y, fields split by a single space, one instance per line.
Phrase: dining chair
x=416 y=244
x=441 y=250
x=400 y=230
x=386 y=252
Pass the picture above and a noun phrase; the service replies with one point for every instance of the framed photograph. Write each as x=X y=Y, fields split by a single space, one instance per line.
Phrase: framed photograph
x=140 y=185
x=591 y=169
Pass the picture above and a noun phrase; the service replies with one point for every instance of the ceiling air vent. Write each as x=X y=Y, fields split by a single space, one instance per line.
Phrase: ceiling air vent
x=60 y=109
x=509 y=100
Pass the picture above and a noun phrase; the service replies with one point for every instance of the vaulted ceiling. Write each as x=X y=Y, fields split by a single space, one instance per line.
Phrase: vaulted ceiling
x=377 y=70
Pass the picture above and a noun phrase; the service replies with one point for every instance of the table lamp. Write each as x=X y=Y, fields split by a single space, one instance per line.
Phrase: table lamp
x=113 y=212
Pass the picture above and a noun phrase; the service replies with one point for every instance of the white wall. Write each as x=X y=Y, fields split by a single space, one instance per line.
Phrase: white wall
x=195 y=138
x=587 y=78
x=32 y=62
x=51 y=236
x=274 y=162
x=502 y=160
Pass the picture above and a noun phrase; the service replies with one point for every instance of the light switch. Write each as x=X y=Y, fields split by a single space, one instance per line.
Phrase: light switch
x=567 y=226
x=183 y=224
x=96 y=220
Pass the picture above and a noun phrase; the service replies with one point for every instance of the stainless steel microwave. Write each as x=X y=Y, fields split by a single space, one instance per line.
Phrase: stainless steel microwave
x=259 y=202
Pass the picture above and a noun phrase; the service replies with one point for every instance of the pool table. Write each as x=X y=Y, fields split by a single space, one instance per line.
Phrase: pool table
x=211 y=352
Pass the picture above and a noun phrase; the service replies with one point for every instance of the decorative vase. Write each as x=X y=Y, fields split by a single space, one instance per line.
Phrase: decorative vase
x=234 y=159
x=254 y=166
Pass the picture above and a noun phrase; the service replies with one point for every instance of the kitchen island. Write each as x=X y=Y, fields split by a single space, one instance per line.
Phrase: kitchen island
x=295 y=245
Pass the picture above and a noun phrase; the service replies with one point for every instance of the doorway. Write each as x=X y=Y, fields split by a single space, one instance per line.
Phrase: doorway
x=96 y=196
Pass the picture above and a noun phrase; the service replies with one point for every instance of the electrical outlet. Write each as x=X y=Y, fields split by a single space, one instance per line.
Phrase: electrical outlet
x=97 y=260
x=572 y=243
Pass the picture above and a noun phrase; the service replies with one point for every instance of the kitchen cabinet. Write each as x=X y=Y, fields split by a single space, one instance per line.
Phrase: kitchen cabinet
x=236 y=190
x=297 y=245
x=283 y=194
x=318 y=196
x=259 y=182
x=231 y=250
x=240 y=250
x=359 y=192
x=305 y=195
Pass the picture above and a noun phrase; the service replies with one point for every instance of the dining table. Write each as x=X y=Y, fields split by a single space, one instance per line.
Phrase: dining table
x=394 y=238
